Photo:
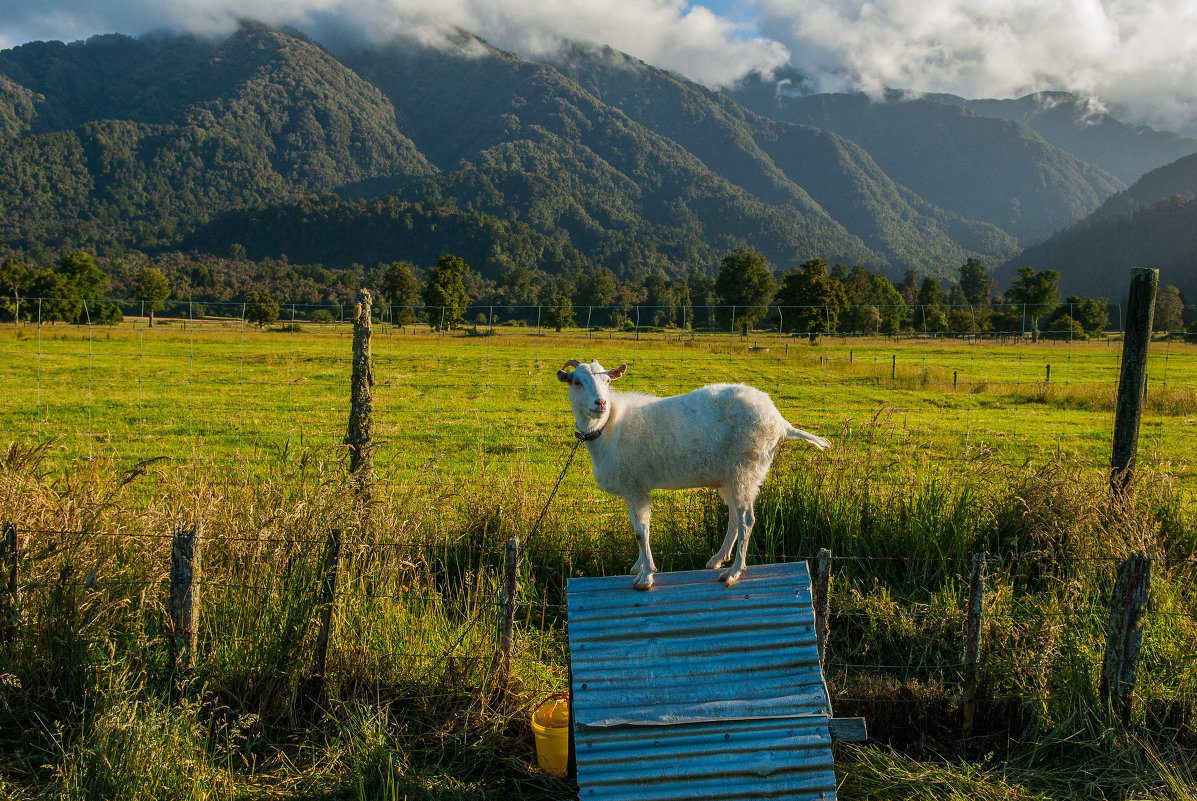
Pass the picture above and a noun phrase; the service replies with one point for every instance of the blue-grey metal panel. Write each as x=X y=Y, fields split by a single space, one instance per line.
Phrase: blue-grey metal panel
x=693 y=689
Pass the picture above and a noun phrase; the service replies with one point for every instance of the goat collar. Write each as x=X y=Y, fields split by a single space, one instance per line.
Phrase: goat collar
x=592 y=436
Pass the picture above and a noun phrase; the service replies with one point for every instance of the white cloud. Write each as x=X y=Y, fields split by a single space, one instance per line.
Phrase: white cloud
x=667 y=33
x=1138 y=55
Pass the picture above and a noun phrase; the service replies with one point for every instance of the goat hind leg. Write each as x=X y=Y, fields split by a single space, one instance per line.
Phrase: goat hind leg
x=729 y=542
x=747 y=520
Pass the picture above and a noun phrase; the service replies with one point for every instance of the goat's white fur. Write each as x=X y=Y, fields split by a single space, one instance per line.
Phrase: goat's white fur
x=722 y=436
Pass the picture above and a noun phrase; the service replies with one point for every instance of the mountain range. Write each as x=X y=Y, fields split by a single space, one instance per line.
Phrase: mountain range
x=270 y=144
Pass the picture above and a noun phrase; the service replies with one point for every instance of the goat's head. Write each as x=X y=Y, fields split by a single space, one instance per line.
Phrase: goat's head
x=588 y=388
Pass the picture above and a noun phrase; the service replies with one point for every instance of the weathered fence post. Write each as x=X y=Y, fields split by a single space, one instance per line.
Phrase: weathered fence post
x=1129 y=408
x=893 y=370
x=972 y=641
x=822 y=595
x=361 y=404
x=185 y=595
x=511 y=569
x=328 y=594
x=1124 y=637
x=1047 y=379
x=12 y=590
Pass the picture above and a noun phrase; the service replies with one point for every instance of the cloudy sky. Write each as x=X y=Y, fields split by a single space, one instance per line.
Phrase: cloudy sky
x=1137 y=56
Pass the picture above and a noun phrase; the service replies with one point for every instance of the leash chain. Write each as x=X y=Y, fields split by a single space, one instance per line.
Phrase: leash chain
x=553 y=494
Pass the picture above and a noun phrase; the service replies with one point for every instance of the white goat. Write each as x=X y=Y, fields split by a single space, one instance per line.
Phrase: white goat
x=721 y=436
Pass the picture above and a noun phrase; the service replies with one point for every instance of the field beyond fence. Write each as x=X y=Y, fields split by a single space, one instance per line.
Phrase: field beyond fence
x=334 y=654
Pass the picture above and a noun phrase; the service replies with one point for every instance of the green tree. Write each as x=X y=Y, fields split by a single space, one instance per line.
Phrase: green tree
x=1092 y=314
x=559 y=310
x=662 y=299
x=597 y=287
x=1169 y=309
x=401 y=287
x=152 y=289
x=85 y=278
x=811 y=299
x=930 y=314
x=1036 y=293
x=260 y=308
x=1064 y=327
x=975 y=283
x=746 y=284
x=909 y=288
x=13 y=277
x=874 y=303
x=445 y=294
x=701 y=289
x=53 y=293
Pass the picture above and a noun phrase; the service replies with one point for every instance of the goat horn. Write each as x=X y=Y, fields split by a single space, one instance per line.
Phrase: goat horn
x=571 y=363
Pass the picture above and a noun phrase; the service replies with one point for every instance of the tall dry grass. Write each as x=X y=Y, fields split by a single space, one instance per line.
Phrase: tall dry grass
x=413 y=707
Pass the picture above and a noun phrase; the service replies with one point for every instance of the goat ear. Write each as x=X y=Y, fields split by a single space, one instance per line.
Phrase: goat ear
x=563 y=376
x=616 y=372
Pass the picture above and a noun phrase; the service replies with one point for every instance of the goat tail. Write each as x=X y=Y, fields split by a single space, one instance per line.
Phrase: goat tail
x=813 y=439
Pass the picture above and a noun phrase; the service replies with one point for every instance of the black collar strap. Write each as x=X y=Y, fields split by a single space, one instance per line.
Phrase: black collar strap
x=591 y=437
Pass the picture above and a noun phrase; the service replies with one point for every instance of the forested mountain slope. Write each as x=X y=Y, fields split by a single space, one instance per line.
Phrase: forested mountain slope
x=1151 y=224
x=981 y=168
x=269 y=144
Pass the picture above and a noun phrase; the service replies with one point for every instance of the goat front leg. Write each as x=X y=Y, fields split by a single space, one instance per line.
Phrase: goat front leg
x=747 y=518
x=639 y=512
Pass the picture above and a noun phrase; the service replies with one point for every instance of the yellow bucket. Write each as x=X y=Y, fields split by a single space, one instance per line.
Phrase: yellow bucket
x=550 y=726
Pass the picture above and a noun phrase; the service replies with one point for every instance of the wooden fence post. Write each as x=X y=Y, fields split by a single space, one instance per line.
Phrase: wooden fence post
x=1133 y=379
x=12 y=590
x=822 y=595
x=972 y=641
x=185 y=595
x=511 y=569
x=328 y=594
x=1124 y=637
x=893 y=370
x=361 y=404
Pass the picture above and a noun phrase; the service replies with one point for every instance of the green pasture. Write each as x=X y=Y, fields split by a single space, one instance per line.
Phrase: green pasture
x=943 y=448
x=451 y=404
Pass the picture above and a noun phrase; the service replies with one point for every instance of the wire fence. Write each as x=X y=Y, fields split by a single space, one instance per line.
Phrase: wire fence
x=1026 y=655
x=212 y=389
x=213 y=386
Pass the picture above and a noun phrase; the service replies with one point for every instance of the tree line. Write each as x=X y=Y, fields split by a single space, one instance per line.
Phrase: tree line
x=747 y=293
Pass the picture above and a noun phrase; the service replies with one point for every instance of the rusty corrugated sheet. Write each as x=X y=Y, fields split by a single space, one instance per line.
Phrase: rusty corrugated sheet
x=694 y=690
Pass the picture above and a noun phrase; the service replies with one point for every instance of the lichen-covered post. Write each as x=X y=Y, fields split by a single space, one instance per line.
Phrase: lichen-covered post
x=1124 y=637
x=1133 y=379
x=822 y=599
x=361 y=404
x=972 y=640
x=12 y=590
x=328 y=597
x=511 y=569
x=184 y=595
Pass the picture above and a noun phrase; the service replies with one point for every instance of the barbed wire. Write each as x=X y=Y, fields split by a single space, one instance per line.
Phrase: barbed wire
x=499 y=547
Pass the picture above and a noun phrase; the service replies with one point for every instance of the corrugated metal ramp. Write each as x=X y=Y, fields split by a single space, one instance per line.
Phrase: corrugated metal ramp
x=696 y=690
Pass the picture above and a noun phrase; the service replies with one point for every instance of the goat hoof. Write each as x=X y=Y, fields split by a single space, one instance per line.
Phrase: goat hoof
x=730 y=576
x=643 y=582
x=636 y=569
x=715 y=562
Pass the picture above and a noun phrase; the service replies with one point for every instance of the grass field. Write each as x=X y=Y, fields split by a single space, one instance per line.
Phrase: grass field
x=943 y=448
x=218 y=388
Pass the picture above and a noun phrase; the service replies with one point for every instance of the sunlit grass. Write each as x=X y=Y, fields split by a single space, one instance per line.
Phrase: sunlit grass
x=965 y=448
